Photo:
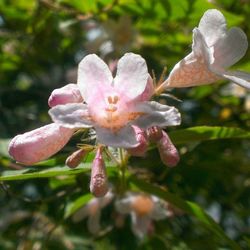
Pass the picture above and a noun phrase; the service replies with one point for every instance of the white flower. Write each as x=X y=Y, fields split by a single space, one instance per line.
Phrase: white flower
x=214 y=49
x=143 y=209
x=92 y=210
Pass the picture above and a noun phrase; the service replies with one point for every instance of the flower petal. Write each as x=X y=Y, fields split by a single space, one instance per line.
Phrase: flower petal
x=72 y=115
x=194 y=69
x=200 y=48
x=212 y=26
x=123 y=138
x=157 y=114
x=93 y=222
x=238 y=77
x=148 y=92
x=67 y=94
x=230 y=48
x=140 y=225
x=142 y=147
x=39 y=144
x=123 y=206
x=93 y=75
x=132 y=75
x=105 y=200
x=160 y=210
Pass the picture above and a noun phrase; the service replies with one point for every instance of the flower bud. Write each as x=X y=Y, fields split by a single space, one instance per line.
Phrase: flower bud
x=76 y=157
x=67 y=94
x=168 y=152
x=39 y=144
x=141 y=138
x=98 y=181
x=154 y=134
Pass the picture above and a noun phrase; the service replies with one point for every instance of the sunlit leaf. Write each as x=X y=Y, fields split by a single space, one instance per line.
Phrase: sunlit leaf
x=4 y=147
x=73 y=206
x=32 y=172
x=204 y=133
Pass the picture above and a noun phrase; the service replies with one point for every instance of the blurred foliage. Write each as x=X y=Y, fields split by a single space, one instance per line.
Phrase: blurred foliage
x=41 y=43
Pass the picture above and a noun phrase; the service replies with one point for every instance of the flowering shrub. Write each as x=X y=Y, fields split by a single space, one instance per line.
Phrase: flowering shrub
x=124 y=116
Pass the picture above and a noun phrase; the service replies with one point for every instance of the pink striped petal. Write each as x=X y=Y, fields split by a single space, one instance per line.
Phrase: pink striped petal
x=39 y=144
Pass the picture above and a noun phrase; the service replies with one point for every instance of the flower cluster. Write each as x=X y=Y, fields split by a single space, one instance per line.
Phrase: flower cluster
x=121 y=109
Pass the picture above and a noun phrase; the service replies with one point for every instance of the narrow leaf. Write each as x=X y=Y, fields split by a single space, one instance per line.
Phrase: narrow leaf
x=33 y=172
x=204 y=133
x=73 y=206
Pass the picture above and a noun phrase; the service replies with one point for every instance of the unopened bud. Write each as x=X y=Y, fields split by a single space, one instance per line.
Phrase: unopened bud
x=99 y=180
x=75 y=158
x=67 y=94
x=141 y=138
x=154 y=134
x=39 y=144
x=168 y=152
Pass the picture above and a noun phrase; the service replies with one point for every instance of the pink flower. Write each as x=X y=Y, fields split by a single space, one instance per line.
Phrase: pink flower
x=114 y=105
x=39 y=144
x=213 y=50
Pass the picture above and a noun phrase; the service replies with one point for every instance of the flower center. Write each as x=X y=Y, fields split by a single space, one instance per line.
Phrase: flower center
x=142 y=205
x=112 y=111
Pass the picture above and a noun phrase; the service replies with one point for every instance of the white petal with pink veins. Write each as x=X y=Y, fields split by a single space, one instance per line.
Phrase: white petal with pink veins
x=132 y=75
x=230 y=49
x=213 y=26
x=156 y=114
x=72 y=115
x=124 y=138
x=93 y=76
x=239 y=77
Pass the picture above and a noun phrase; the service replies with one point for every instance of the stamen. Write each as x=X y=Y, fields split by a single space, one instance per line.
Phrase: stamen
x=110 y=99
x=116 y=99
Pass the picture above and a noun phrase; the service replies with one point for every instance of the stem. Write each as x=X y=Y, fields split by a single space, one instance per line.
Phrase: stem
x=123 y=166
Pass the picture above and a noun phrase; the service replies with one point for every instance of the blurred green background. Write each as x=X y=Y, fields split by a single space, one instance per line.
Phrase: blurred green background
x=41 y=44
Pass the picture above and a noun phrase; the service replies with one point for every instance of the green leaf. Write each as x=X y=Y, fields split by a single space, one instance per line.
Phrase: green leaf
x=4 y=143
x=32 y=172
x=187 y=206
x=73 y=206
x=204 y=133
